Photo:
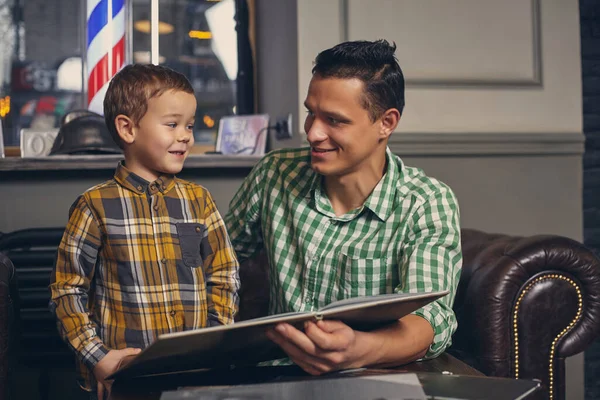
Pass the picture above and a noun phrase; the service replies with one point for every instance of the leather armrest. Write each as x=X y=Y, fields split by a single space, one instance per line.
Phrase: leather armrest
x=525 y=304
x=7 y=272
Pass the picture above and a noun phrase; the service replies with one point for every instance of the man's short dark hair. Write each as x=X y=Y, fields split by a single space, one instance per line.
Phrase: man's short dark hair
x=375 y=64
x=131 y=88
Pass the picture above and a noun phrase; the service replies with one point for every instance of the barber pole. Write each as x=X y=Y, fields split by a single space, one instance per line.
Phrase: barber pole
x=105 y=47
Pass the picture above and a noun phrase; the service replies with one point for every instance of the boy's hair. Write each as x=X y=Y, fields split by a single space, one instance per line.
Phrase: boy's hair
x=131 y=88
x=375 y=64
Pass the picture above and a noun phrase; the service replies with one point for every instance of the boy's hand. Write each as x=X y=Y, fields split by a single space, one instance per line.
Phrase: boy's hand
x=108 y=365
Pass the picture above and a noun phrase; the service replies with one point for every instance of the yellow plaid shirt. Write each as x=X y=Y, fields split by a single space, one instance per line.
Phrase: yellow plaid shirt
x=138 y=260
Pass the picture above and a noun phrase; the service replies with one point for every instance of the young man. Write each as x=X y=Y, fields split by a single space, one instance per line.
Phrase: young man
x=144 y=253
x=347 y=218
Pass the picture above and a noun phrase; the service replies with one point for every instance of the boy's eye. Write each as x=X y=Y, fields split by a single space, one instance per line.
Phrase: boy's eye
x=190 y=127
x=172 y=125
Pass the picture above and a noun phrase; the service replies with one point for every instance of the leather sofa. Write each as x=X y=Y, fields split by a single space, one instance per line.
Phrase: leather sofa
x=7 y=327
x=524 y=304
x=36 y=345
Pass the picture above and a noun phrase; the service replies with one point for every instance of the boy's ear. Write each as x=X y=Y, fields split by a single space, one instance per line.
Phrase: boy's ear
x=125 y=128
x=389 y=122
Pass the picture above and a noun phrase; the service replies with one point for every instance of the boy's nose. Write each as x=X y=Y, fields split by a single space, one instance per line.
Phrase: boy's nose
x=185 y=137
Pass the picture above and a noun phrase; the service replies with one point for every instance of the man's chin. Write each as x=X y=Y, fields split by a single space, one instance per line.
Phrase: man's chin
x=320 y=169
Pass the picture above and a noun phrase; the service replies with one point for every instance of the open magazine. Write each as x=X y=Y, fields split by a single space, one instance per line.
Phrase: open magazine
x=245 y=343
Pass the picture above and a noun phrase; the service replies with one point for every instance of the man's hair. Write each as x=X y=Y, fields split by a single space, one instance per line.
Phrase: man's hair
x=375 y=64
x=131 y=88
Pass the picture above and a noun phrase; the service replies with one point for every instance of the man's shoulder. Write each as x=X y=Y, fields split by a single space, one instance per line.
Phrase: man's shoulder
x=298 y=157
x=286 y=163
x=414 y=181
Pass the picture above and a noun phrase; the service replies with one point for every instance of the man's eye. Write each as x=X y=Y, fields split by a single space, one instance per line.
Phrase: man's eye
x=333 y=121
x=310 y=113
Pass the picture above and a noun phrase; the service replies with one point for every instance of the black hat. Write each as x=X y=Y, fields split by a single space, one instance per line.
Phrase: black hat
x=84 y=132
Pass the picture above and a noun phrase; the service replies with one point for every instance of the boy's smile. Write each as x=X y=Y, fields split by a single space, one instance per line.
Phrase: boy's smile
x=163 y=136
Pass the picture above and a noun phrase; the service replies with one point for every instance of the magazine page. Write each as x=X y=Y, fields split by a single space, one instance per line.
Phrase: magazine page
x=369 y=313
x=382 y=298
x=245 y=343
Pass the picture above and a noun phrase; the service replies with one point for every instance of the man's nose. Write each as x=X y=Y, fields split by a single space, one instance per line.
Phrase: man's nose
x=316 y=133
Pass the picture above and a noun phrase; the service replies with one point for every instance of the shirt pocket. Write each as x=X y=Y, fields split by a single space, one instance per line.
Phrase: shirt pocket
x=190 y=241
x=367 y=276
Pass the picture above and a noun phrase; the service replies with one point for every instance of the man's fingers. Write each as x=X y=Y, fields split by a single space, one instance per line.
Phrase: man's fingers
x=298 y=338
x=312 y=364
x=308 y=367
x=329 y=337
x=331 y=325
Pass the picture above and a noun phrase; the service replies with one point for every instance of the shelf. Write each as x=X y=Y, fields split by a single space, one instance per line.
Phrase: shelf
x=103 y=162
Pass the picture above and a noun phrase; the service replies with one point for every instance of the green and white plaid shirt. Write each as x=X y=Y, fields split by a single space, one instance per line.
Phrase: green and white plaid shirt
x=405 y=238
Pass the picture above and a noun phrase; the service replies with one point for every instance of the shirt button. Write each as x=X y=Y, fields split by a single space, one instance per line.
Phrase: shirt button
x=156 y=207
x=198 y=229
x=164 y=261
x=139 y=188
x=164 y=187
x=172 y=313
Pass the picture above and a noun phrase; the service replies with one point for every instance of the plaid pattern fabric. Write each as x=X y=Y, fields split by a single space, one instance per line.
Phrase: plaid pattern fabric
x=405 y=238
x=138 y=260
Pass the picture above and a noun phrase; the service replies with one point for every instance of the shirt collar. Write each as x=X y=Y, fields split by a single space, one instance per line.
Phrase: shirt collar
x=137 y=184
x=380 y=201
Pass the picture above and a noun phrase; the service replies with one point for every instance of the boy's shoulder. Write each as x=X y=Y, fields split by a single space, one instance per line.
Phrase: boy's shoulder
x=105 y=186
x=192 y=187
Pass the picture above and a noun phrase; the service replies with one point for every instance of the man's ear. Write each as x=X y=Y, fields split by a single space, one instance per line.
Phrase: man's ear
x=389 y=122
x=125 y=128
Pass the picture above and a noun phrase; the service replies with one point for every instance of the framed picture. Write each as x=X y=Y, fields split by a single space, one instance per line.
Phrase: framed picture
x=243 y=135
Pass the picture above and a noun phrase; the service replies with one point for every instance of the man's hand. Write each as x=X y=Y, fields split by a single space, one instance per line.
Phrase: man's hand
x=323 y=347
x=332 y=345
x=108 y=365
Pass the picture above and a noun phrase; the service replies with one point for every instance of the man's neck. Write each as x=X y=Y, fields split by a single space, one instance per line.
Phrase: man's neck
x=350 y=191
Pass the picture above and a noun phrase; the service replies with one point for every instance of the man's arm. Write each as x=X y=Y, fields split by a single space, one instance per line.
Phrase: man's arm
x=221 y=269
x=243 y=218
x=70 y=283
x=432 y=261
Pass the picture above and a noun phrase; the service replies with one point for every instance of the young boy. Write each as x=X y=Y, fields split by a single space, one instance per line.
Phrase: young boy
x=144 y=253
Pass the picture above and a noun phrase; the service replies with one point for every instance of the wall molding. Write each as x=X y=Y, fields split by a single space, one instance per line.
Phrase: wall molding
x=536 y=74
x=486 y=144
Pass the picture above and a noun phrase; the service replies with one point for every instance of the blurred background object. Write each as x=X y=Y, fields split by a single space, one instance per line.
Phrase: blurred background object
x=43 y=46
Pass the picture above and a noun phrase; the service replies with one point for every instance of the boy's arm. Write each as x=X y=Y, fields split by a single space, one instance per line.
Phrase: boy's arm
x=432 y=262
x=221 y=268
x=70 y=284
